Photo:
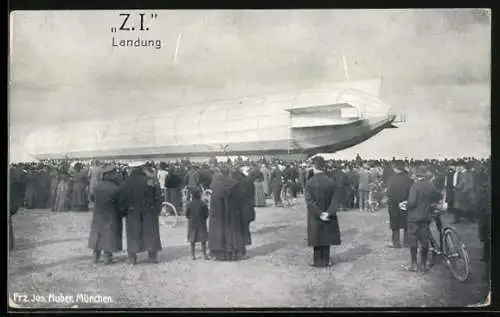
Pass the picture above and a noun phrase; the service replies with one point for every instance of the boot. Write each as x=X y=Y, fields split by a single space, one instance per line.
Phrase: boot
x=132 y=258
x=96 y=256
x=405 y=238
x=108 y=258
x=153 y=257
x=396 y=240
x=204 y=250
x=424 y=252
x=193 y=256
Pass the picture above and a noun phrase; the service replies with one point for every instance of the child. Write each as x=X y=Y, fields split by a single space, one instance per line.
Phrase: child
x=197 y=214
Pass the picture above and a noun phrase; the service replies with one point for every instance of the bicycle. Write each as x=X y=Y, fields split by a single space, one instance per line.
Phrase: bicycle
x=447 y=244
x=168 y=215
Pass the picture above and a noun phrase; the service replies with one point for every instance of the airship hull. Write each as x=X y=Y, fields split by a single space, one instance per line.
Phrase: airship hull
x=306 y=122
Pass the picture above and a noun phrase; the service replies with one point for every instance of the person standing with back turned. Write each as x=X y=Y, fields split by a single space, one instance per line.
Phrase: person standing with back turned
x=322 y=222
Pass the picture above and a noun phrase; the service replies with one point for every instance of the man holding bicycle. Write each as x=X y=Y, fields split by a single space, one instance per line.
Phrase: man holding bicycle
x=422 y=198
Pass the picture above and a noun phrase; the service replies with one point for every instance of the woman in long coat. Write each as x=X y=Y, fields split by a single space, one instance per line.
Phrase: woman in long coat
x=225 y=235
x=106 y=228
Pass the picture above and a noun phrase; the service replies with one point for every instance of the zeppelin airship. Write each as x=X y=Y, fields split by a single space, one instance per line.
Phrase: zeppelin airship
x=304 y=122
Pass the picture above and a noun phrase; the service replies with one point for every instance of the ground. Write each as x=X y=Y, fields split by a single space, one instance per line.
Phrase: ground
x=52 y=257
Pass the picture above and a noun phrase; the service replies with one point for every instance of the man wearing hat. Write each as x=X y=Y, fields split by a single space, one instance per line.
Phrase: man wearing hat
x=464 y=193
x=95 y=177
x=364 y=187
x=106 y=229
x=139 y=198
x=423 y=194
x=322 y=205
x=398 y=189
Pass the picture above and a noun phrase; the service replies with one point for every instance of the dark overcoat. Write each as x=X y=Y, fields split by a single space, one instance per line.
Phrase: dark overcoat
x=248 y=212
x=398 y=189
x=387 y=173
x=197 y=214
x=422 y=195
x=322 y=196
x=106 y=229
x=225 y=220
x=139 y=197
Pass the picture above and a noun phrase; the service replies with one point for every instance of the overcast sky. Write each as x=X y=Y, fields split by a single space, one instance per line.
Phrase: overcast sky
x=435 y=65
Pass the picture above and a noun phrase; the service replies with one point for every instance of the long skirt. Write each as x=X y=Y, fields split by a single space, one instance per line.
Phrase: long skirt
x=227 y=256
x=174 y=196
x=260 y=198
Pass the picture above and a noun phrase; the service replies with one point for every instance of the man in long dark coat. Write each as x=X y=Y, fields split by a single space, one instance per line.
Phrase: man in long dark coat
x=17 y=188
x=423 y=194
x=276 y=185
x=248 y=211
x=139 y=198
x=225 y=236
x=322 y=222
x=106 y=228
x=398 y=189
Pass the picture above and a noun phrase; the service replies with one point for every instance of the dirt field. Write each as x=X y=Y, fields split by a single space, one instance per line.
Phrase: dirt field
x=52 y=258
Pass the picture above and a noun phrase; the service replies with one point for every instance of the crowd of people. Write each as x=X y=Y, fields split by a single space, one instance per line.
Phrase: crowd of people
x=136 y=191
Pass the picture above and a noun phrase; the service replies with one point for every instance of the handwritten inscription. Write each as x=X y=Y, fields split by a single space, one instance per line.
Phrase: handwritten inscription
x=134 y=23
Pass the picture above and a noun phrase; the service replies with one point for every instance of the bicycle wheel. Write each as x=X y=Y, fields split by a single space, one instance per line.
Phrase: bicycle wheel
x=456 y=255
x=169 y=216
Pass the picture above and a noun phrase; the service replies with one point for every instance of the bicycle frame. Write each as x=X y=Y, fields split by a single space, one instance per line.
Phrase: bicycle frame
x=439 y=224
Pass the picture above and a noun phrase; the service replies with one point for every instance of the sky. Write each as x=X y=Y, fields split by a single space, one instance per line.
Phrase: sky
x=435 y=66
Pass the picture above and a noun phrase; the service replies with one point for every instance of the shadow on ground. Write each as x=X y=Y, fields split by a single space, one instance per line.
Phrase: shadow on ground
x=172 y=253
x=25 y=244
x=267 y=230
x=266 y=249
x=352 y=254
x=37 y=268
